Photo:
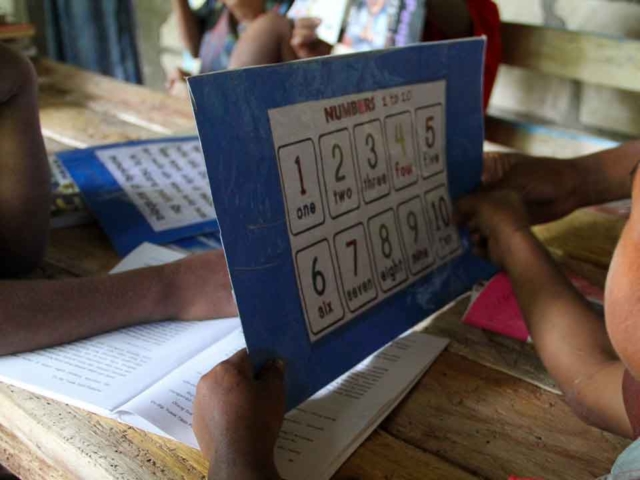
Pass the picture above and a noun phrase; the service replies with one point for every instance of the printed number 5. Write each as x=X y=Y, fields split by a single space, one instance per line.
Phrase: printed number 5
x=319 y=281
x=431 y=132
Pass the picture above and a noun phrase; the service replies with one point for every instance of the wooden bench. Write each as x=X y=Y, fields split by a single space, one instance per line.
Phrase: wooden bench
x=591 y=59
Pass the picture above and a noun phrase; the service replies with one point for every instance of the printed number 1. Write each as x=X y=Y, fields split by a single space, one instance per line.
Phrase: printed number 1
x=303 y=191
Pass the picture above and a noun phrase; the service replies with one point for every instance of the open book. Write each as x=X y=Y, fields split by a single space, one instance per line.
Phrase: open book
x=146 y=376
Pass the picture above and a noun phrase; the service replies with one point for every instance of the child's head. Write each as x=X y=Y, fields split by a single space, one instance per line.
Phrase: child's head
x=622 y=293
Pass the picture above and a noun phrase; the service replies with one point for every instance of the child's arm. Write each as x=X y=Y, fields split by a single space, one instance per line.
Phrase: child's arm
x=36 y=314
x=25 y=181
x=553 y=188
x=451 y=16
x=568 y=335
x=189 y=27
x=237 y=418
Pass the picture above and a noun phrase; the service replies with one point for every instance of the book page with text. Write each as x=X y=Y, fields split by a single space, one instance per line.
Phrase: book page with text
x=318 y=435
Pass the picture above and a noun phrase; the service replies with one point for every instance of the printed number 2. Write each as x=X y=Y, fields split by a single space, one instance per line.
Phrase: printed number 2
x=340 y=177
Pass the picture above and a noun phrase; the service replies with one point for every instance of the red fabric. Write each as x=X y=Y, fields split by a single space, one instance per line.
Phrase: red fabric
x=631 y=396
x=486 y=21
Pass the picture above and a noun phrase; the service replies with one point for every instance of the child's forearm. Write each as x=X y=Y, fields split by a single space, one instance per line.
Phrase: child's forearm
x=189 y=27
x=607 y=174
x=569 y=336
x=36 y=314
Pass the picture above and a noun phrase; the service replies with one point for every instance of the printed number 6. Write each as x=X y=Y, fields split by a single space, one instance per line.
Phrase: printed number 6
x=319 y=281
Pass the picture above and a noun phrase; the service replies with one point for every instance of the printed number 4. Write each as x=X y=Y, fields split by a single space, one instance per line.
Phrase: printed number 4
x=400 y=138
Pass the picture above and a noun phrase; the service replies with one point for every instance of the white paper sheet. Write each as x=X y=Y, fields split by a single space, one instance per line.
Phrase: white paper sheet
x=331 y=13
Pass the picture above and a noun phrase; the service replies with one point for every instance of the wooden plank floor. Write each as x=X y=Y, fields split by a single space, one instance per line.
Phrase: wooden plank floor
x=478 y=413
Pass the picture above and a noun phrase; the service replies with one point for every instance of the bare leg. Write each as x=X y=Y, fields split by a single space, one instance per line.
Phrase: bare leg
x=25 y=180
x=266 y=41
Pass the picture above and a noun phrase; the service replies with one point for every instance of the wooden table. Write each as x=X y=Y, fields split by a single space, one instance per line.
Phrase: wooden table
x=485 y=410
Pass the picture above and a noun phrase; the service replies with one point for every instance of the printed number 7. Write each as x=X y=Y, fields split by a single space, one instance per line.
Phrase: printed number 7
x=354 y=243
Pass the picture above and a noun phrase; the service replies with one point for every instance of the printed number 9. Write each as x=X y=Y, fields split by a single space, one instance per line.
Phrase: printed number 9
x=318 y=279
x=412 y=223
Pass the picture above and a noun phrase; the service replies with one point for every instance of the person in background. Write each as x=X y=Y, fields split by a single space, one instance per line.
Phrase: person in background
x=272 y=38
x=210 y=29
x=41 y=313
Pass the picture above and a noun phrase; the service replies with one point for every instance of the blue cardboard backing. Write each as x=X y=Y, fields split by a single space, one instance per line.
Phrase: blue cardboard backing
x=231 y=110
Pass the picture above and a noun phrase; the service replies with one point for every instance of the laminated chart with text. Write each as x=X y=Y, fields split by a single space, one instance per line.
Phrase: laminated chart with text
x=151 y=190
x=334 y=182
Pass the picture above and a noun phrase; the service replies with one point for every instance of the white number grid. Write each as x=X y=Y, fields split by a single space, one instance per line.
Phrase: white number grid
x=394 y=203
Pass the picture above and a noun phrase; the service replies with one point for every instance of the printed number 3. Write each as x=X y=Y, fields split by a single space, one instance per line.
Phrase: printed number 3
x=371 y=143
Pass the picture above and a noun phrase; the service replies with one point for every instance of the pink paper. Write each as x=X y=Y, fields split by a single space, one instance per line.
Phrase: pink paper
x=496 y=309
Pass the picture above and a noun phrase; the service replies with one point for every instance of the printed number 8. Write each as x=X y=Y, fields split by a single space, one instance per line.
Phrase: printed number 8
x=387 y=249
x=318 y=279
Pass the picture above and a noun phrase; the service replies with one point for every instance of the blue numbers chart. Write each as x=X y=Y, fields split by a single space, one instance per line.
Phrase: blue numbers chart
x=364 y=183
